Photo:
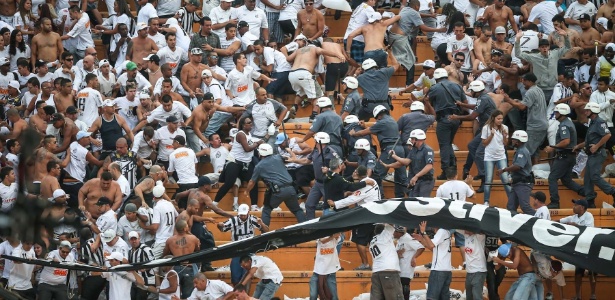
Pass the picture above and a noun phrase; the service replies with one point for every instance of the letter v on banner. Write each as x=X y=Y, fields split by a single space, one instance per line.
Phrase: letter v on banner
x=510 y=224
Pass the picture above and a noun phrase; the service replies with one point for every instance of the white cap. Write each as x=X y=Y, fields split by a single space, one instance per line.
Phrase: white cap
x=230 y=1
x=108 y=235
x=115 y=255
x=417 y=105
x=158 y=191
x=171 y=21
x=144 y=95
x=610 y=46
x=351 y=82
x=368 y=64
x=142 y=211
x=351 y=119
x=206 y=73
x=440 y=73
x=388 y=14
x=429 y=64
x=58 y=193
x=374 y=16
x=4 y=61
x=65 y=244
x=603 y=21
x=265 y=150
x=300 y=37
x=103 y=62
x=500 y=29
x=108 y=102
x=149 y=56
x=141 y=26
x=243 y=210
x=133 y=234
x=14 y=84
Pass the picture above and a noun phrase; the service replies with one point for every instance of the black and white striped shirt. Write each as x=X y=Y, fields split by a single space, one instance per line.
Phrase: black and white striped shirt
x=93 y=258
x=140 y=255
x=241 y=230
x=187 y=20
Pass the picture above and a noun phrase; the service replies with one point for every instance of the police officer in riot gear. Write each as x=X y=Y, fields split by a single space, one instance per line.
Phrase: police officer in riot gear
x=521 y=173
x=420 y=159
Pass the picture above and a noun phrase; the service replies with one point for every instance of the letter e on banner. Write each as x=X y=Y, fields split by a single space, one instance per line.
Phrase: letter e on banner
x=587 y=237
x=553 y=234
x=423 y=208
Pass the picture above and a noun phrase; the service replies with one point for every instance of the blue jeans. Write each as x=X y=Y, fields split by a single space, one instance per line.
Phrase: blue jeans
x=331 y=282
x=216 y=121
x=237 y=271
x=327 y=212
x=489 y=165
x=527 y=287
x=265 y=291
x=186 y=276
x=438 y=285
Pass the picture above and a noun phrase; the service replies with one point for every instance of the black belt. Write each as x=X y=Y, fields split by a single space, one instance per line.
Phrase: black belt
x=376 y=101
x=266 y=281
x=445 y=113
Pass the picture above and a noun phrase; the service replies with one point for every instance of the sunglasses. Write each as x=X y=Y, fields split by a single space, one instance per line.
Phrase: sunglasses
x=69 y=59
x=457 y=59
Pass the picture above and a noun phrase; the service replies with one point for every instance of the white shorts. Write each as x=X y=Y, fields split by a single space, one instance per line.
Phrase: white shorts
x=215 y=178
x=158 y=249
x=303 y=83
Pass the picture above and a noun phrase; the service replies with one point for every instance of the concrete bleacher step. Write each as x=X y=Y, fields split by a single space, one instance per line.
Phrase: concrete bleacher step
x=352 y=283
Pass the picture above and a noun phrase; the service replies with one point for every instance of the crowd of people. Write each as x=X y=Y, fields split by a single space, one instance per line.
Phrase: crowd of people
x=169 y=99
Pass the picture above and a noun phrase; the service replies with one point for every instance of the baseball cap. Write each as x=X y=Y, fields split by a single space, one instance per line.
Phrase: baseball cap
x=387 y=14
x=131 y=66
x=39 y=63
x=158 y=191
x=373 y=17
x=58 y=193
x=6 y=61
x=65 y=244
x=243 y=209
x=130 y=207
x=603 y=21
x=227 y=1
x=479 y=24
x=280 y=138
x=108 y=235
x=568 y=74
x=196 y=51
x=581 y=202
x=543 y=42
x=71 y=110
x=610 y=46
x=152 y=57
x=103 y=62
x=206 y=73
x=103 y=201
x=144 y=95
x=400 y=229
x=57 y=117
x=300 y=37
x=108 y=102
x=497 y=52
x=82 y=134
x=204 y=180
x=172 y=119
x=429 y=64
x=540 y=196
x=500 y=29
x=585 y=17
x=115 y=255
x=141 y=26
x=242 y=24
x=133 y=234
x=504 y=250
x=14 y=84
x=208 y=96
x=180 y=139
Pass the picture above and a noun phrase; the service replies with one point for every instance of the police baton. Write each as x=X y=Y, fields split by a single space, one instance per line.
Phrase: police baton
x=547 y=159
x=408 y=186
x=394 y=145
x=298 y=132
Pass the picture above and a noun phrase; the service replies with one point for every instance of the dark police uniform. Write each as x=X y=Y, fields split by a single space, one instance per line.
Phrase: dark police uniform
x=419 y=158
x=521 y=182
x=411 y=121
x=387 y=132
x=352 y=103
x=442 y=96
x=351 y=152
x=273 y=171
x=329 y=122
x=318 y=190
x=336 y=185
x=597 y=129
x=564 y=160
x=375 y=85
x=484 y=108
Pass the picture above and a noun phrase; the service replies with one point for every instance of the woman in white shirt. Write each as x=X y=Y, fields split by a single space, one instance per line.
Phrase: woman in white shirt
x=123 y=16
x=495 y=138
x=24 y=19
x=447 y=19
x=18 y=48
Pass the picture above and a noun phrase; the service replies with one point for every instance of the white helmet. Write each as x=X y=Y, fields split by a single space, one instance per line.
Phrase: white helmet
x=351 y=119
x=417 y=105
x=593 y=106
x=265 y=150
x=158 y=191
x=520 y=135
x=418 y=134
x=322 y=137
x=476 y=86
x=563 y=109
x=323 y=102
x=362 y=144
x=351 y=82
x=440 y=73
x=368 y=64
x=378 y=109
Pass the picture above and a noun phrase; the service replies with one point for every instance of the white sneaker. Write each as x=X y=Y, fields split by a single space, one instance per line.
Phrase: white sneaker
x=455 y=148
x=255 y=208
x=277 y=209
x=390 y=176
x=235 y=207
x=302 y=205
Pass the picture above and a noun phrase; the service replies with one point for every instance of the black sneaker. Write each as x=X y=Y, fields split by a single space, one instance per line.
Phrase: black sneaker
x=428 y=266
x=441 y=177
x=592 y=204
x=553 y=205
x=386 y=6
x=465 y=174
x=481 y=189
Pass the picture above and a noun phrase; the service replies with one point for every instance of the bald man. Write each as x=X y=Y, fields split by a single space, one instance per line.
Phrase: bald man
x=145 y=186
x=182 y=243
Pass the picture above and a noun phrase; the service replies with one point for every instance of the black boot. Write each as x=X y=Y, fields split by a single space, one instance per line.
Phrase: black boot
x=553 y=205
x=442 y=176
x=481 y=189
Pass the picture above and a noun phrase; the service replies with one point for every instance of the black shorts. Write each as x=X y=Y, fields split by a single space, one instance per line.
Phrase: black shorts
x=363 y=234
x=304 y=175
x=335 y=73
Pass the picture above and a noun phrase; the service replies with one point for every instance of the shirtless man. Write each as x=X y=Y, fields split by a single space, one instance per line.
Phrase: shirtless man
x=373 y=33
x=508 y=71
x=191 y=72
x=49 y=182
x=182 y=242
x=66 y=129
x=191 y=214
x=304 y=60
x=140 y=47
x=557 y=39
x=47 y=45
x=519 y=261
x=201 y=194
x=167 y=89
x=38 y=121
x=454 y=69
x=145 y=186
x=336 y=68
x=65 y=97
x=43 y=156
x=578 y=102
x=199 y=120
x=311 y=22
x=8 y=8
x=606 y=9
x=19 y=125
x=146 y=106
x=501 y=43
x=95 y=188
x=498 y=14
x=589 y=34
x=482 y=46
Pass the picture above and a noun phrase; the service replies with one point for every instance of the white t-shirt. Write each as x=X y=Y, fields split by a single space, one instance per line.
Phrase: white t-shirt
x=106 y=85
x=168 y=7
x=465 y=45
x=455 y=190
x=529 y=41
x=47 y=77
x=383 y=251
x=440 y=37
x=159 y=39
x=124 y=227
x=142 y=82
x=357 y=19
x=8 y=195
x=7 y=249
x=495 y=150
x=217 y=15
x=141 y=147
x=21 y=274
x=467 y=8
x=581 y=74
x=475 y=253
x=241 y=85
x=120 y=246
x=543 y=213
x=280 y=63
x=362 y=196
x=576 y=9
x=218 y=158
x=108 y=220
x=544 y=11
x=327 y=260
x=441 y=260
x=290 y=11
x=88 y=102
x=172 y=57
x=226 y=62
x=216 y=289
x=587 y=219
x=217 y=90
x=56 y=276
x=256 y=18
x=179 y=110
x=165 y=215
x=119 y=283
x=124 y=185
x=410 y=246
x=266 y=269
x=165 y=141
x=183 y=161
x=78 y=162
x=82 y=33
x=146 y=12
x=128 y=110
